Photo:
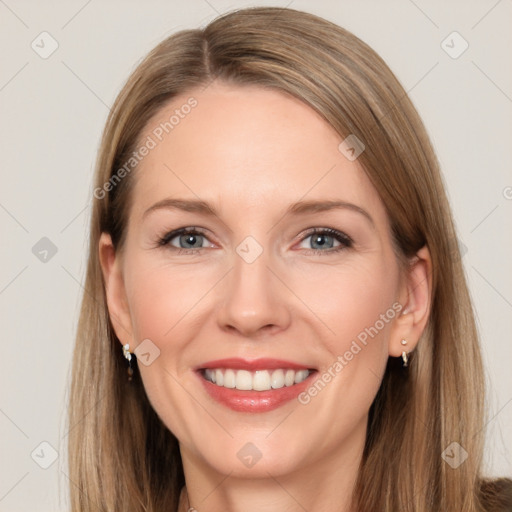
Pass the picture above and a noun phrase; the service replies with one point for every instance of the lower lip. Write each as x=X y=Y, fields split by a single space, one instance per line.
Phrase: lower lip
x=254 y=401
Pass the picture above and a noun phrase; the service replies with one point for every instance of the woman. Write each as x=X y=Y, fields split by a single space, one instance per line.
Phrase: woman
x=276 y=314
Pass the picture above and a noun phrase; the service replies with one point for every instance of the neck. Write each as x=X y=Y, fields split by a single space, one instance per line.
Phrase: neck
x=326 y=484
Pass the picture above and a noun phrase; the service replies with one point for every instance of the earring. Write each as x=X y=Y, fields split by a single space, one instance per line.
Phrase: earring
x=405 y=359
x=128 y=355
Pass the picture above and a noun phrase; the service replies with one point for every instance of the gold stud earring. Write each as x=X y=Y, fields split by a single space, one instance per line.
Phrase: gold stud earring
x=128 y=355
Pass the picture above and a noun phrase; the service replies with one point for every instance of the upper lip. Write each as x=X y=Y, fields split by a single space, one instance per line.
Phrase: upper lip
x=237 y=363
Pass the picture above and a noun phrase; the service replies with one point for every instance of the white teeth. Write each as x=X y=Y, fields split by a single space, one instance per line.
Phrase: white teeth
x=243 y=380
x=289 y=378
x=277 y=379
x=259 y=380
x=300 y=376
x=229 y=379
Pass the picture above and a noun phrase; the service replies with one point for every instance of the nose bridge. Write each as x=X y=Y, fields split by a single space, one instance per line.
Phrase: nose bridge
x=252 y=296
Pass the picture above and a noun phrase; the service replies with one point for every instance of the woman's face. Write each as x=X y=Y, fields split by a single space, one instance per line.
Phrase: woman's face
x=251 y=283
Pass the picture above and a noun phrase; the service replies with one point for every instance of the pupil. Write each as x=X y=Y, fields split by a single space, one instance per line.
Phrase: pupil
x=320 y=240
x=190 y=239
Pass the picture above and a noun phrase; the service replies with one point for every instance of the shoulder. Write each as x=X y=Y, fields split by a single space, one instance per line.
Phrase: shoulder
x=496 y=495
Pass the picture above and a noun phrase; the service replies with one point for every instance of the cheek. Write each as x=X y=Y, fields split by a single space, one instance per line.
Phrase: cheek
x=337 y=306
x=167 y=306
x=349 y=302
x=354 y=302
x=162 y=299
x=357 y=306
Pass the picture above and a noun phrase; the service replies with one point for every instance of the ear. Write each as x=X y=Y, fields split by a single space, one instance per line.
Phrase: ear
x=415 y=297
x=117 y=302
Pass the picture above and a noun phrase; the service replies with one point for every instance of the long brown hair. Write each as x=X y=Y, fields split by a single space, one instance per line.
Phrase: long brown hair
x=121 y=456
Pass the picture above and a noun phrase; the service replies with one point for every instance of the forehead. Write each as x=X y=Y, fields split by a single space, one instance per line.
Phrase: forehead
x=243 y=147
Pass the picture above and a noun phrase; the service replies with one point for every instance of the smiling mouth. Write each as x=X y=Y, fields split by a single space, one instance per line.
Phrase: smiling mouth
x=259 y=380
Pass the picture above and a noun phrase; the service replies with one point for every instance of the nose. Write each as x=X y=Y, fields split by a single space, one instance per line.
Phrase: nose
x=255 y=300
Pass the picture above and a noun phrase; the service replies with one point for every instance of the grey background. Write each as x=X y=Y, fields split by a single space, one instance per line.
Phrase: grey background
x=52 y=114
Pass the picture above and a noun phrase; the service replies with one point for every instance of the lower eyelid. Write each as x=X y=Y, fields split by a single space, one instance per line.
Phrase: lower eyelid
x=191 y=249
x=165 y=240
x=345 y=241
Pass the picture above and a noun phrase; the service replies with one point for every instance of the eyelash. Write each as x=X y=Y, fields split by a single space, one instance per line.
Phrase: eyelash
x=345 y=241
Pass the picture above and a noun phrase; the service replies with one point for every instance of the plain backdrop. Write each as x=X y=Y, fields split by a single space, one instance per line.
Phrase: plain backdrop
x=53 y=108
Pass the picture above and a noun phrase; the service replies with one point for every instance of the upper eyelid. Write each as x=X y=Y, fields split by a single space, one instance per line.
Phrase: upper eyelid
x=306 y=233
x=182 y=231
x=341 y=236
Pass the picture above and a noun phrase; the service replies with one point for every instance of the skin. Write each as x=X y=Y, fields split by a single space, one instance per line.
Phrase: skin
x=250 y=153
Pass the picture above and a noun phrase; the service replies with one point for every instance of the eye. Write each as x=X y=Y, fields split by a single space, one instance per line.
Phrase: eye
x=323 y=240
x=186 y=239
x=190 y=239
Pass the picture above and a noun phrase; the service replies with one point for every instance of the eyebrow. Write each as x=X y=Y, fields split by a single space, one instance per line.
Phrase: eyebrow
x=295 y=209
